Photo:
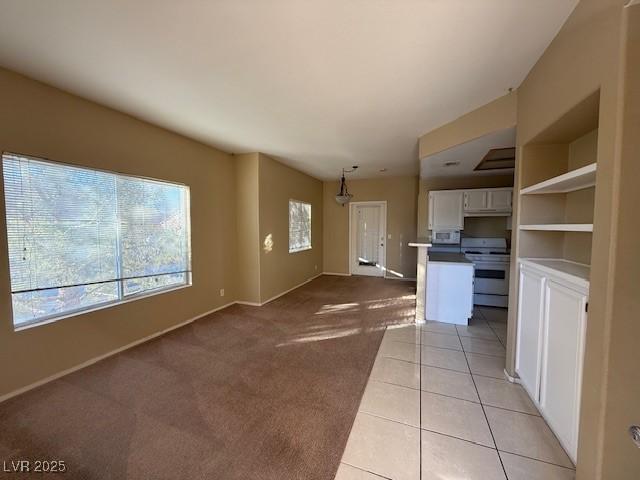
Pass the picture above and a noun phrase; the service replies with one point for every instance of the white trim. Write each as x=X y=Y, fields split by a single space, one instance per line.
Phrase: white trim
x=510 y=378
x=336 y=273
x=402 y=279
x=384 y=253
x=250 y=304
x=89 y=362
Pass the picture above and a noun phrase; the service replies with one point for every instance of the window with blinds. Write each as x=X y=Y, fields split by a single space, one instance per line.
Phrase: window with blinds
x=80 y=238
x=299 y=226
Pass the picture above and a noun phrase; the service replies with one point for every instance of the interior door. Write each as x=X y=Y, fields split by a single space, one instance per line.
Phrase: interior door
x=368 y=227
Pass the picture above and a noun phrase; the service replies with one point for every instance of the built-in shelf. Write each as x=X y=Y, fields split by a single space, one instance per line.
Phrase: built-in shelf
x=560 y=227
x=573 y=271
x=578 y=179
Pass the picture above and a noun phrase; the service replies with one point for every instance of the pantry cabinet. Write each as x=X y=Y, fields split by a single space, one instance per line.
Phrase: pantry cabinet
x=550 y=343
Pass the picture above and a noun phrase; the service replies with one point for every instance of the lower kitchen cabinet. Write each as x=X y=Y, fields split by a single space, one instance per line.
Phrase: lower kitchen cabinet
x=550 y=347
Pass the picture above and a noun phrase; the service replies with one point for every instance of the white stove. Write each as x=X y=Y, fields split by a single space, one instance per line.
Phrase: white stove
x=491 y=262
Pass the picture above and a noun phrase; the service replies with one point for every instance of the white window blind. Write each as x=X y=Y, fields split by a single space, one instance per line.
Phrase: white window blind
x=299 y=226
x=80 y=238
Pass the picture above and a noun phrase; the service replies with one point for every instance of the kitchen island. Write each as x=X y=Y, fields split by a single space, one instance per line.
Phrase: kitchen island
x=449 y=293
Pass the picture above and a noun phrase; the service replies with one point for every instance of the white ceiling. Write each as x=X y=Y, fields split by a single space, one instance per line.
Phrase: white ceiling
x=318 y=84
x=469 y=155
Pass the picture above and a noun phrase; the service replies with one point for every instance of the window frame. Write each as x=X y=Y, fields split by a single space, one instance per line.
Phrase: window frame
x=310 y=247
x=123 y=297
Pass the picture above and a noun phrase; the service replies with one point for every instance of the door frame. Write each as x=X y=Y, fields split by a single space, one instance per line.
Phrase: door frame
x=383 y=204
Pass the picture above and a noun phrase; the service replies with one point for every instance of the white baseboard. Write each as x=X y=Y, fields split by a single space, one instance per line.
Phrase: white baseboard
x=510 y=378
x=87 y=363
x=251 y=304
x=336 y=273
x=401 y=279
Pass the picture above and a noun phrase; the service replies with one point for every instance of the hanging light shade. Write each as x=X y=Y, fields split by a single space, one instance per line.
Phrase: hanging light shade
x=343 y=197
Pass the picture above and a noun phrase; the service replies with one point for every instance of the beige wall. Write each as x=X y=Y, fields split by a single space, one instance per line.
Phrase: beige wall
x=44 y=122
x=235 y=202
x=492 y=117
x=248 y=227
x=583 y=58
x=279 y=269
x=621 y=459
x=401 y=195
x=453 y=183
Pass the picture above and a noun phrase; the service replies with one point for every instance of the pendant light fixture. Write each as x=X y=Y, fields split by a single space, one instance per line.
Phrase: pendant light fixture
x=343 y=197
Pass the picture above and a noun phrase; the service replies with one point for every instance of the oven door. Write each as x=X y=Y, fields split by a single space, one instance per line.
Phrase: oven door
x=491 y=278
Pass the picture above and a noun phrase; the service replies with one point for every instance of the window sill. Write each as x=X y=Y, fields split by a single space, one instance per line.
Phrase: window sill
x=75 y=313
x=300 y=250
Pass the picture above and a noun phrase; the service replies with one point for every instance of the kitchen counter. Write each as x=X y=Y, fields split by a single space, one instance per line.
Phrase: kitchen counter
x=448 y=258
x=420 y=242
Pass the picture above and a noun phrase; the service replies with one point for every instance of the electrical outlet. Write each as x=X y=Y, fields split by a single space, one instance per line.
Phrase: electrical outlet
x=222 y=292
x=315 y=268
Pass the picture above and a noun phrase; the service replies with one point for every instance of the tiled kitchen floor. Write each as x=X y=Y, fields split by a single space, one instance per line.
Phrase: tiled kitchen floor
x=438 y=407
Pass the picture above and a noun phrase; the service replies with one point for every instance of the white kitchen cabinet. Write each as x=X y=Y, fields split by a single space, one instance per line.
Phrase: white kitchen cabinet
x=446 y=210
x=499 y=200
x=488 y=202
x=530 y=323
x=475 y=200
x=449 y=292
x=563 y=352
x=550 y=344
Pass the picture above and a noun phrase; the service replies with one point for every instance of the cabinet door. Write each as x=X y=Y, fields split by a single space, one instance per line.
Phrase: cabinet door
x=445 y=210
x=562 y=357
x=530 y=330
x=475 y=200
x=499 y=200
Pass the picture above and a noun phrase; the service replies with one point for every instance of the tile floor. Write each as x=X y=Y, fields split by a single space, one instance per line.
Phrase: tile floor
x=438 y=407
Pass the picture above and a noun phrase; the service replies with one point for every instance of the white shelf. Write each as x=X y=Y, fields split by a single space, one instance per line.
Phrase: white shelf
x=578 y=179
x=560 y=227
x=576 y=272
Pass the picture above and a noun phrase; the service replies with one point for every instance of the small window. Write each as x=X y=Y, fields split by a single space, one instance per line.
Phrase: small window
x=299 y=226
x=81 y=239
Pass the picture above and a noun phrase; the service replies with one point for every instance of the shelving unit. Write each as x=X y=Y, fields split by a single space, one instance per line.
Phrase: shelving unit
x=578 y=179
x=559 y=227
x=557 y=188
x=554 y=214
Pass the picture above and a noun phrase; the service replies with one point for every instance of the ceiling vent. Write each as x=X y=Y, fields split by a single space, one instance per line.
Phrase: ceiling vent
x=498 y=159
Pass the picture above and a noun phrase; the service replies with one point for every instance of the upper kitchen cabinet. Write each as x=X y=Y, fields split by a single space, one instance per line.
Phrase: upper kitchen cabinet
x=446 y=210
x=488 y=202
